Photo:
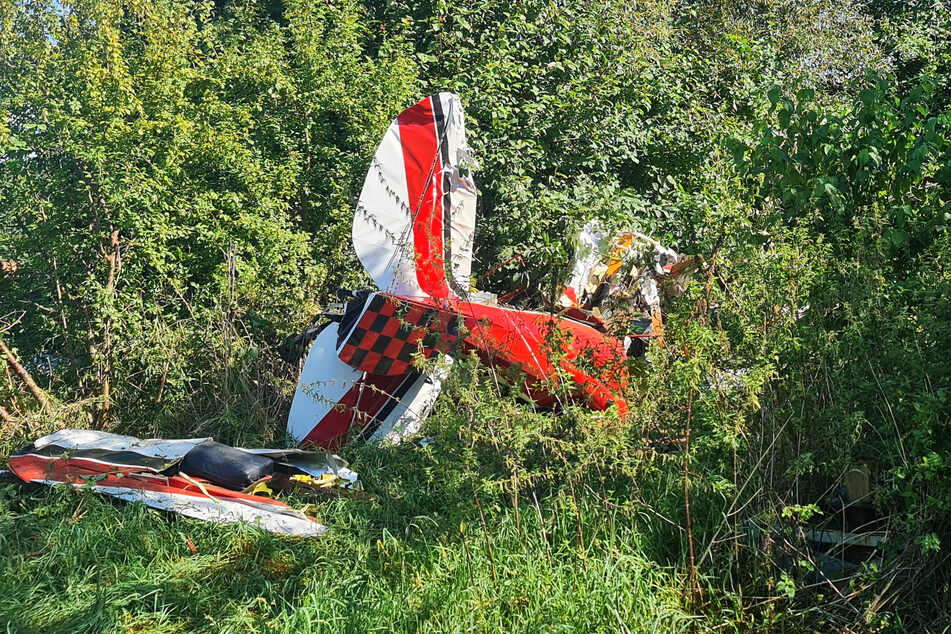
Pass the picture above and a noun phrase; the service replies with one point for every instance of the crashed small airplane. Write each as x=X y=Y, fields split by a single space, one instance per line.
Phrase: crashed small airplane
x=413 y=232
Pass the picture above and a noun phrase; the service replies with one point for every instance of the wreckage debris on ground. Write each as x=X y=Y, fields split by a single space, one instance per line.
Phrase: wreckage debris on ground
x=195 y=477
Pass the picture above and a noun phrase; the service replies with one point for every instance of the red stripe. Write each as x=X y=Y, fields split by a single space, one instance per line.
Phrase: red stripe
x=331 y=431
x=72 y=471
x=423 y=168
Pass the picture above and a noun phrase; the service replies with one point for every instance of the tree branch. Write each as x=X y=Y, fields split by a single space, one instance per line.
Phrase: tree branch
x=35 y=389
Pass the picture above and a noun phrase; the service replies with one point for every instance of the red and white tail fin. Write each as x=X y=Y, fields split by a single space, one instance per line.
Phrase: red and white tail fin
x=415 y=220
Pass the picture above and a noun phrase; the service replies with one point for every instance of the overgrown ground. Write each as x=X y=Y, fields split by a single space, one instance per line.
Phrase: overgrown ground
x=416 y=559
x=447 y=544
x=177 y=184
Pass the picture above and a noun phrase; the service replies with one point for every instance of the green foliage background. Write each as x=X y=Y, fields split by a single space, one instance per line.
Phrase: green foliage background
x=177 y=182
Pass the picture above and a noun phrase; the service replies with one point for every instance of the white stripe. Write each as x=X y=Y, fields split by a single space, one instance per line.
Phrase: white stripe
x=324 y=380
x=382 y=225
x=283 y=521
x=91 y=439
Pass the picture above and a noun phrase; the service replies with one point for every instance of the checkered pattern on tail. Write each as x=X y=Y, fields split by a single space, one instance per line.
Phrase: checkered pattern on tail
x=388 y=333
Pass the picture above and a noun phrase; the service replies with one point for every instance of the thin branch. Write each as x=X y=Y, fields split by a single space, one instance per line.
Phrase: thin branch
x=35 y=389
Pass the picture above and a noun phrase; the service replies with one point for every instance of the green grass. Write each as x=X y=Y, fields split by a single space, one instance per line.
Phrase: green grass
x=76 y=562
x=594 y=541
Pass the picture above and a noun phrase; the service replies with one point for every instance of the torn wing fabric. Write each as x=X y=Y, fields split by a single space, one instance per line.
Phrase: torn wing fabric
x=155 y=455
x=415 y=219
x=149 y=471
x=159 y=455
x=587 y=258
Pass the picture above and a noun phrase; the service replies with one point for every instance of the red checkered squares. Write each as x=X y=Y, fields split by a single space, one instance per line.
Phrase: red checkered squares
x=388 y=333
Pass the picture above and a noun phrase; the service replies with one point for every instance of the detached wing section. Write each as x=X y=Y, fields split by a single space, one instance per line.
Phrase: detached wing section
x=152 y=472
x=415 y=220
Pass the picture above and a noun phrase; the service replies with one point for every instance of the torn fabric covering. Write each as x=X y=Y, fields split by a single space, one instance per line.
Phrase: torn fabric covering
x=175 y=493
x=148 y=471
x=587 y=258
x=127 y=451
x=623 y=281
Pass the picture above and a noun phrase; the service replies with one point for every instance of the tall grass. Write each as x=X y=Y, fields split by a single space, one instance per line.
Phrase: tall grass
x=74 y=562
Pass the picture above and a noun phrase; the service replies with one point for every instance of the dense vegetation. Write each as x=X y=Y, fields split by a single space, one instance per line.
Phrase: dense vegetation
x=177 y=181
